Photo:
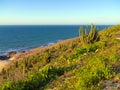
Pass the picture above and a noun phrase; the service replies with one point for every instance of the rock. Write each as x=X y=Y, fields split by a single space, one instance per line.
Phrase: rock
x=110 y=85
x=4 y=57
x=22 y=51
x=10 y=54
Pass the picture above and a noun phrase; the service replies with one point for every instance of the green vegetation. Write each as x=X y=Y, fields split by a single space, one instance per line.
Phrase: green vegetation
x=80 y=64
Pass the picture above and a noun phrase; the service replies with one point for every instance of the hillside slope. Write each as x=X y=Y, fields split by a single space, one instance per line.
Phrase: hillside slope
x=68 y=65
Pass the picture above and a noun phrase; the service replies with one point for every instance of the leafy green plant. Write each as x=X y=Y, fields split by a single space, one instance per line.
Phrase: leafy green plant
x=92 y=73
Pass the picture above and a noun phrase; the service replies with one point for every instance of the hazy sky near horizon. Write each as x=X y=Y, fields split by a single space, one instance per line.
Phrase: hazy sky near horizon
x=17 y=12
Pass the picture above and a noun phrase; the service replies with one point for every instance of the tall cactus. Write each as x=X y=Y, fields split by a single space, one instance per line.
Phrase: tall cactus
x=93 y=35
x=81 y=31
x=82 y=34
x=86 y=30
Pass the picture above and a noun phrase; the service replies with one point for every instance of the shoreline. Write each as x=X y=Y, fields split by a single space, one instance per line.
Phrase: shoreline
x=18 y=50
x=4 y=56
x=39 y=49
x=30 y=52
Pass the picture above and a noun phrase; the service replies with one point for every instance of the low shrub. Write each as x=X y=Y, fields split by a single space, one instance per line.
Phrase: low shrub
x=34 y=81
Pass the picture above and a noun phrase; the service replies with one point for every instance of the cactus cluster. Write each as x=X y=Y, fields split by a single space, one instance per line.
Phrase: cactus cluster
x=88 y=36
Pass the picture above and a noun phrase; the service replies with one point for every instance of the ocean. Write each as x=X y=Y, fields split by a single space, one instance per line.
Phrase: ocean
x=25 y=37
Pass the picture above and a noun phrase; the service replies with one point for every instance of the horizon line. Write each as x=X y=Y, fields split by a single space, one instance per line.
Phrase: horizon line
x=50 y=24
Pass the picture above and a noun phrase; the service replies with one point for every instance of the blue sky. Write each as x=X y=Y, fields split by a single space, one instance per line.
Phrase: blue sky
x=27 y=12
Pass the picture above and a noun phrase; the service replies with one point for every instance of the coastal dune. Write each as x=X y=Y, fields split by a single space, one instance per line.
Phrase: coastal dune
x=66 y=63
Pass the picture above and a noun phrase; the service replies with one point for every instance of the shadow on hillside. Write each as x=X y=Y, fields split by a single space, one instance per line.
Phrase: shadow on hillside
x=64 y=69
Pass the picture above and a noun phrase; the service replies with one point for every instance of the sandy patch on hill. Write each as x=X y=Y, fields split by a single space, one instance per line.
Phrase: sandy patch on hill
x=3 y=64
